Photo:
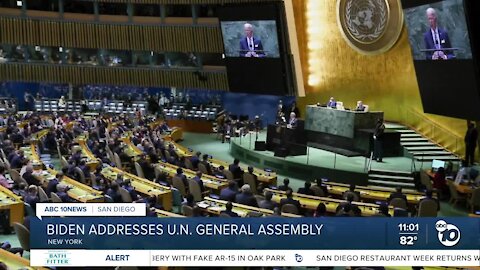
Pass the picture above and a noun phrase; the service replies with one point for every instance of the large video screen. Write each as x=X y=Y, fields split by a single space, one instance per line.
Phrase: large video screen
x=438 y=31
x=250 y=38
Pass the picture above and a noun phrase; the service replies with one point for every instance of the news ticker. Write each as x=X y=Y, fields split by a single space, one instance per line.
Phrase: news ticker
x=95 y=231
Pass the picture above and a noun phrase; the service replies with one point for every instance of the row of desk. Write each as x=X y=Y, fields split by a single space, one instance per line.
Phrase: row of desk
x=269 y=178
x=12 y=202
x=311 y=203
x=14 y=261
x=215 y=207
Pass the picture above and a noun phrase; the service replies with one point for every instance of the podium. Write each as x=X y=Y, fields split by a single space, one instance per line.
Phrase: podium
x=284 y=141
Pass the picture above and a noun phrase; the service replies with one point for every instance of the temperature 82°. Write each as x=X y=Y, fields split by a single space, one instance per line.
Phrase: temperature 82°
x=408 y=240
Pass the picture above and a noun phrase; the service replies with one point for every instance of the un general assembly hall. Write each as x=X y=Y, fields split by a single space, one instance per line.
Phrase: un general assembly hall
x=205 y=109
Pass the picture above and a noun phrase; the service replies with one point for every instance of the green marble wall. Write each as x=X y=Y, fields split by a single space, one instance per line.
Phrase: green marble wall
x=265 y=30
x=339 y=122
x=450 y=16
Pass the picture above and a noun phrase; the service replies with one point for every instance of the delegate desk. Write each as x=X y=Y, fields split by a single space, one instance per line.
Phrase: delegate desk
x=131 y=150
x=215 y=207
x=269 y=178
x=78 y=191
x=91 y=160
x=10 y=201
x=464 y=188
x=144 y=186
x=210 y=182
x=163 y=214
x=311 y=203
x=371 y=193
x=339 y=129
x=14 y=261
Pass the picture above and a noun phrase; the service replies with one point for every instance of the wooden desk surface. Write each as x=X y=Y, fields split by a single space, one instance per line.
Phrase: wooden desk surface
x=215 y=207
x=14 y=261
x=269 y=178
x=210 y=182
x=9 y=200
x=372 y=193
x=91 y=160
x=163 y=214
x=144 y=186
x=311 y=203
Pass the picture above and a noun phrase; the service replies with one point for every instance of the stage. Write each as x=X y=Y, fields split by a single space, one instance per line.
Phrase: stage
x=318 y=163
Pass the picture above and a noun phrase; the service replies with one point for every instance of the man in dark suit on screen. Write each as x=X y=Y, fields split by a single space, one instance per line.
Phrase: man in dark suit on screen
x=250 y=46
x=436 y=39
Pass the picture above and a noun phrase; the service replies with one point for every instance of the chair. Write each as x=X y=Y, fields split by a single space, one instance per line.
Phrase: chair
x=178 y=184
x=23 y=235
x=79 y=173
x=398 y=203
x=15 y=175
x=188 y=164
x=194 y=189
x=108 y=199
x=474 y=200
x=29 y=209
x=425 y=180
x=202 y=168
x=454 y=196
x=427 y=208
x=259 y=198
x=126 y=198
x=356 y=198
x=42 y=195
x=139 y=170
x=55 y=198
x=317 y=191
x=250 y=180
x=64 y=162
x=187 y=211
x=117 y=161
x=93 y=180
x=289 y=208
x=168 y=157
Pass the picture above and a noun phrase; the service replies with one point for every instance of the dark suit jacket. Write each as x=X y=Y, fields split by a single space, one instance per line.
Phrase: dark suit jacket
x=230 y=213
x=194 y=160
x=305 y=191
x=257 y=43
x=31 y=180
x=246 y=198
x=228 y=194
x=397 y=195
x=236 y=170
x=444 y=43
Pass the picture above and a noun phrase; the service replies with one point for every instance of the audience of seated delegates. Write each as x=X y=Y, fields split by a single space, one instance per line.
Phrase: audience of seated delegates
x=321 y=210
x=52 y=185
x=131 y=190
x=228 y=210
x=32 y=196
x=246 y=196
x=289 y=200
x=306 y=189
x=198 y=179
x=285 y=186
x=397 y=194
x=229 y=193
x=220 y=172
x=267 y=203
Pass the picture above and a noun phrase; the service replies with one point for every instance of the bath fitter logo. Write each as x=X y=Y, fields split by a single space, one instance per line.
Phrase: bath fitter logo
x=57 y=258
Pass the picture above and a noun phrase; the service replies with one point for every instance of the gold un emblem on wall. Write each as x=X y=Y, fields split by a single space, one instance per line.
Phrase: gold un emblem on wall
x=370 y=26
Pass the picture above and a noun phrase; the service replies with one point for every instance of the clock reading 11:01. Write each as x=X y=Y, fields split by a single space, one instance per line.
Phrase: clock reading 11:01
x=408 y=233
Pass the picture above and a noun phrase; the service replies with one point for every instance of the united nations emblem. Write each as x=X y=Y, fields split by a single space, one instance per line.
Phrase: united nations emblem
x=370 y=26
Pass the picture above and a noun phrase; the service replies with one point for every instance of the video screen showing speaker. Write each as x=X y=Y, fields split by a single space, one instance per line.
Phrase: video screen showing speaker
x=256 y=48
x=438 y=31
x=250 y=38
x=442 y=36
